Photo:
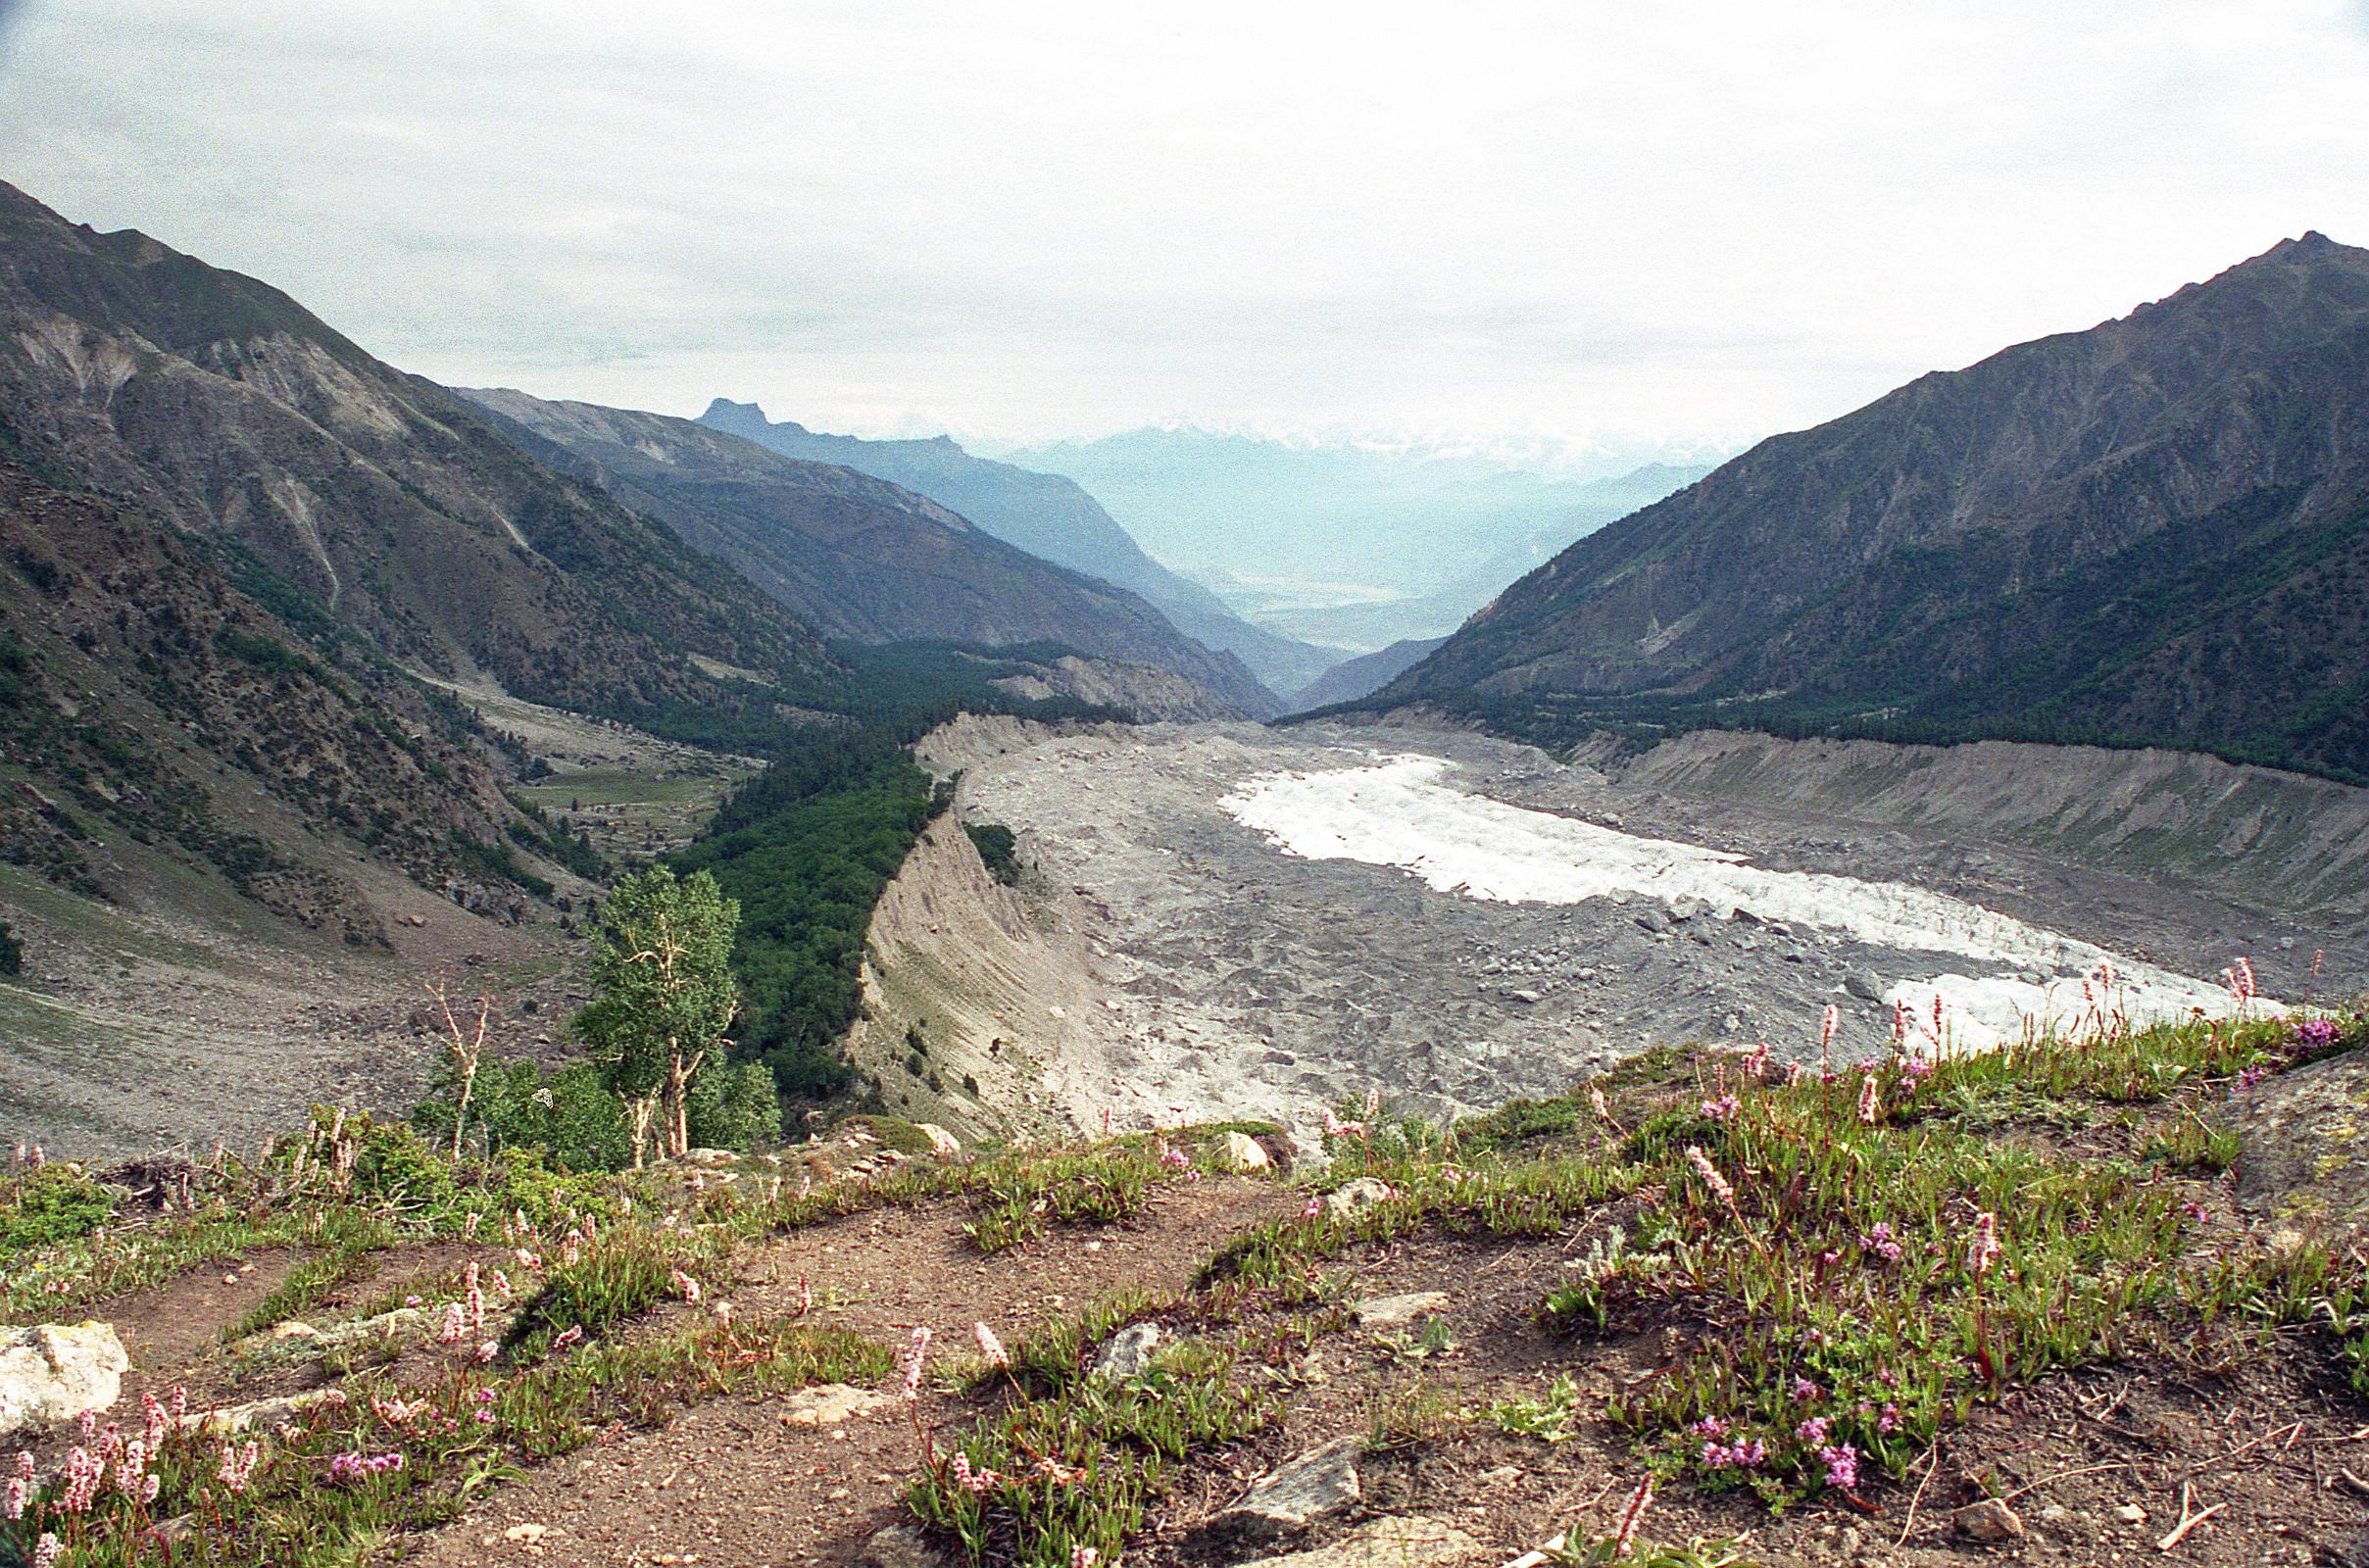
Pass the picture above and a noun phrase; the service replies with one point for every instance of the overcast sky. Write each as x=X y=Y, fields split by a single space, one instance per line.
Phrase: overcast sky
x=1571 y=221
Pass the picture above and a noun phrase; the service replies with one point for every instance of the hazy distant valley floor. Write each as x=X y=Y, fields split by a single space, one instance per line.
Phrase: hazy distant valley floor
x=1238 y=921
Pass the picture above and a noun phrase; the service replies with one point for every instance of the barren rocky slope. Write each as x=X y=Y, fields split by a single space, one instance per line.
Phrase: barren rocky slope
x=1227 y=962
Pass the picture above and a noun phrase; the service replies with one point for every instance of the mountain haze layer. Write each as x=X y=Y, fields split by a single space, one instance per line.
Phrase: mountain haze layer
x=2153 y=531
x=1344 y=544
x=1046 y=514
x=857 y=556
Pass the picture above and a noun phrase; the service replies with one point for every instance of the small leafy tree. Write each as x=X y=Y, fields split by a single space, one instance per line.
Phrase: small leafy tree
x=12 y=951
x=665 y=999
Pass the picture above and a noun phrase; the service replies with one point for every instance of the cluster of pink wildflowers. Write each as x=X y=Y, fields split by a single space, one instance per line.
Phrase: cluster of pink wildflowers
x=1723 y=1108
x=1742 y=1455
x=348 y=1468
x=1879 y=1241
x=971 y=1480
x=237 y=1468
x=1842 y=1467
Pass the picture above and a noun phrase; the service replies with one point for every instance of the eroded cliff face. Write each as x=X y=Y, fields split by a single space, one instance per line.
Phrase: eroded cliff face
x=978 y=998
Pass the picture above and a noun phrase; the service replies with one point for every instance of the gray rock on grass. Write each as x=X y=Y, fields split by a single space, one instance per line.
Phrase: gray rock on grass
x=54 y=1372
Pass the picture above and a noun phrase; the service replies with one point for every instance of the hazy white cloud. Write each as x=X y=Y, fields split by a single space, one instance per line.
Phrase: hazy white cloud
x=1625 y=224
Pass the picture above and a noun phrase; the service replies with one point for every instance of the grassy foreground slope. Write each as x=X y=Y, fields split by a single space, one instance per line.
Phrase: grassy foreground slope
x=1911 y=1303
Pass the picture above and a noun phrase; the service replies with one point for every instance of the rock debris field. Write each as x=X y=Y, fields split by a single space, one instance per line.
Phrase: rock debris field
x=1281 y=917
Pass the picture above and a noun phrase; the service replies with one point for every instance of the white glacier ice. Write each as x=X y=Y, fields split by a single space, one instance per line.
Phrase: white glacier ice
x=1400 y=812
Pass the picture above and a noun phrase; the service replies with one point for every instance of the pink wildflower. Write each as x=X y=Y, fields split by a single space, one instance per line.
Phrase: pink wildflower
x=1083 y=1557
x=456 y=1324
x=567 y=1336
x=1830 y=1021
x=1710 y=1175
x=13 y=1500
x=152 y=1420
x=1056 y=1473
x=1335 y=1127
x=1871 y=1104
x=991 y=1347
x=1632 y=1514
x=48 y=1552
x=1842 y=1467
x=1735 y=1455
x=1804 y=1390
x=238 y=1466
x=83 y=1471
x=686 y=1287
x=1879 y=1242
x=472 y=1298
x=970 y=1479
x=1984 y=1249
x=1724 y=1108
x=1812 y=1431
x=914 y=1356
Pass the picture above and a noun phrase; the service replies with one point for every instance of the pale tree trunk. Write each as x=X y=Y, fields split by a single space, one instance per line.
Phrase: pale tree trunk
x=678 y=1108
x=641 y=1107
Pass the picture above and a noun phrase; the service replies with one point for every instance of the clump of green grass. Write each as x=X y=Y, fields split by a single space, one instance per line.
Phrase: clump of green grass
x=49 y=1205
x=1018 y=1195
x=1854 y=1268
x=1079 y=1466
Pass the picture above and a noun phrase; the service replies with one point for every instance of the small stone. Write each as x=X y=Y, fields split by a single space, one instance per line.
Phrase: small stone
x=1128 y=1352
x=1397 y=1541
x=294 y=1329
x=1989 y=1520
x=2130 y=1513
x=1241 y=1151
x=1356 y=1197
x=1865 y=987
x=1299 y=1492
x=830 y=1403
x=1387 y=1311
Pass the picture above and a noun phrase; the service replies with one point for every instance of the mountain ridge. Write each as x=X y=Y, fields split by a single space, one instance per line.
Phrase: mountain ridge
x=855 y=555
x=1049 y=515
x=2111 y=534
